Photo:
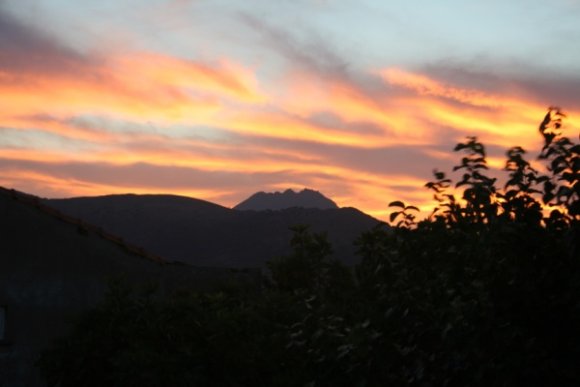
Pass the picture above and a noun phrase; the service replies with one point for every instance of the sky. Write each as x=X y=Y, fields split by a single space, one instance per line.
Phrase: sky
x=218 y=99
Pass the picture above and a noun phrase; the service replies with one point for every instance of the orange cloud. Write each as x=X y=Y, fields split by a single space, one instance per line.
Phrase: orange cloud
x=69 y=187
x=424 y=85
x=497 y=119
x=140 y=86
x=281 y=125
x=403 y=109
x=307 y=95
x=224 y=78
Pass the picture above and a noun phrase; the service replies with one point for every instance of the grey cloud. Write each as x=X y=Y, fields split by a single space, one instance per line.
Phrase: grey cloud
x=331 y=120
x=541 y=86
x=401 y=160
x=315 y=55
x=146 y=175
x=27 y=49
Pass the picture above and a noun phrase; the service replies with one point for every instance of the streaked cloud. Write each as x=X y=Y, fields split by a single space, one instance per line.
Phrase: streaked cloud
x=224 y=126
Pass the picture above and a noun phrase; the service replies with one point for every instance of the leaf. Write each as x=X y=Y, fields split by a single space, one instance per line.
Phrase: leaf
x=393 y=216
x=439 y=175
x=397 y=203
x=545 y=122
x=548 y=197
x=411 y=208
x=574 y=208
x=433 y=186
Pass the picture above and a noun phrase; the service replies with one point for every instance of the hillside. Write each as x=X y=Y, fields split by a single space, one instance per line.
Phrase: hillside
x=40 y=245
x=205 y=234
x=53 y=266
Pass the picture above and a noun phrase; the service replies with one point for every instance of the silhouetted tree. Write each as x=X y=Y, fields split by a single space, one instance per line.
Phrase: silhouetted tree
x=484 y=292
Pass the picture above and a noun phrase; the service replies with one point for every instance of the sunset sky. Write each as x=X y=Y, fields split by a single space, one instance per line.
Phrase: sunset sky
x=216 y=100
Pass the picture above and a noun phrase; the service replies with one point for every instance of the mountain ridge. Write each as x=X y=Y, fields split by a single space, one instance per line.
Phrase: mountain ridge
x=202 y=233
x=306 y=198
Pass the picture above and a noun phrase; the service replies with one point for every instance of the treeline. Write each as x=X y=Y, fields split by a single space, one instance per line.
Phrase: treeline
x=484 y=292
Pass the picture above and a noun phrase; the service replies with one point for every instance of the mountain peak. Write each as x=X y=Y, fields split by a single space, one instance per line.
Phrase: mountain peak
x=307 y=198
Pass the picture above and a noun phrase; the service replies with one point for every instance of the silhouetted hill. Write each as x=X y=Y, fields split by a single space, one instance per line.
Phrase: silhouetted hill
x=35 y=235
x=306 y=198
x=52 y=266
x=205 y=234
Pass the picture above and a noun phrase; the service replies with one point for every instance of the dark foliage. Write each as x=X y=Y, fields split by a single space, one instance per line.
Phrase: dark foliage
x=485 y=292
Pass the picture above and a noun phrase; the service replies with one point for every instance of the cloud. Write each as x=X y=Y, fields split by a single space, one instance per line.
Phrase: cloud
x=146 y=122
x=134 y=86
x=314 y=55
x=424 y=85
x=528 y=82
x=26 y=49
x=67 y=178
x=40 y=76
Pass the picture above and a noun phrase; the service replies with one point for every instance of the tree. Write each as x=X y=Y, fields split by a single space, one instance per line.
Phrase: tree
x=484 y=292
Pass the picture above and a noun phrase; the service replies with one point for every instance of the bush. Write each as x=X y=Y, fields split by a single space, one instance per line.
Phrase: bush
x=484 y=292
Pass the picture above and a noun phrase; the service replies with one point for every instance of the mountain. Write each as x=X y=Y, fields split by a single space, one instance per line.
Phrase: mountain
x=306 y=198
x=205 y=234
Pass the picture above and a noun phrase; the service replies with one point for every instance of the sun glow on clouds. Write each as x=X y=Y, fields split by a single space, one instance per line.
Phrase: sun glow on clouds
x=146 y=71
x=404 y=109
x=136 y=86
x=308 y=94
x=55 y=186
x=426 y=86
